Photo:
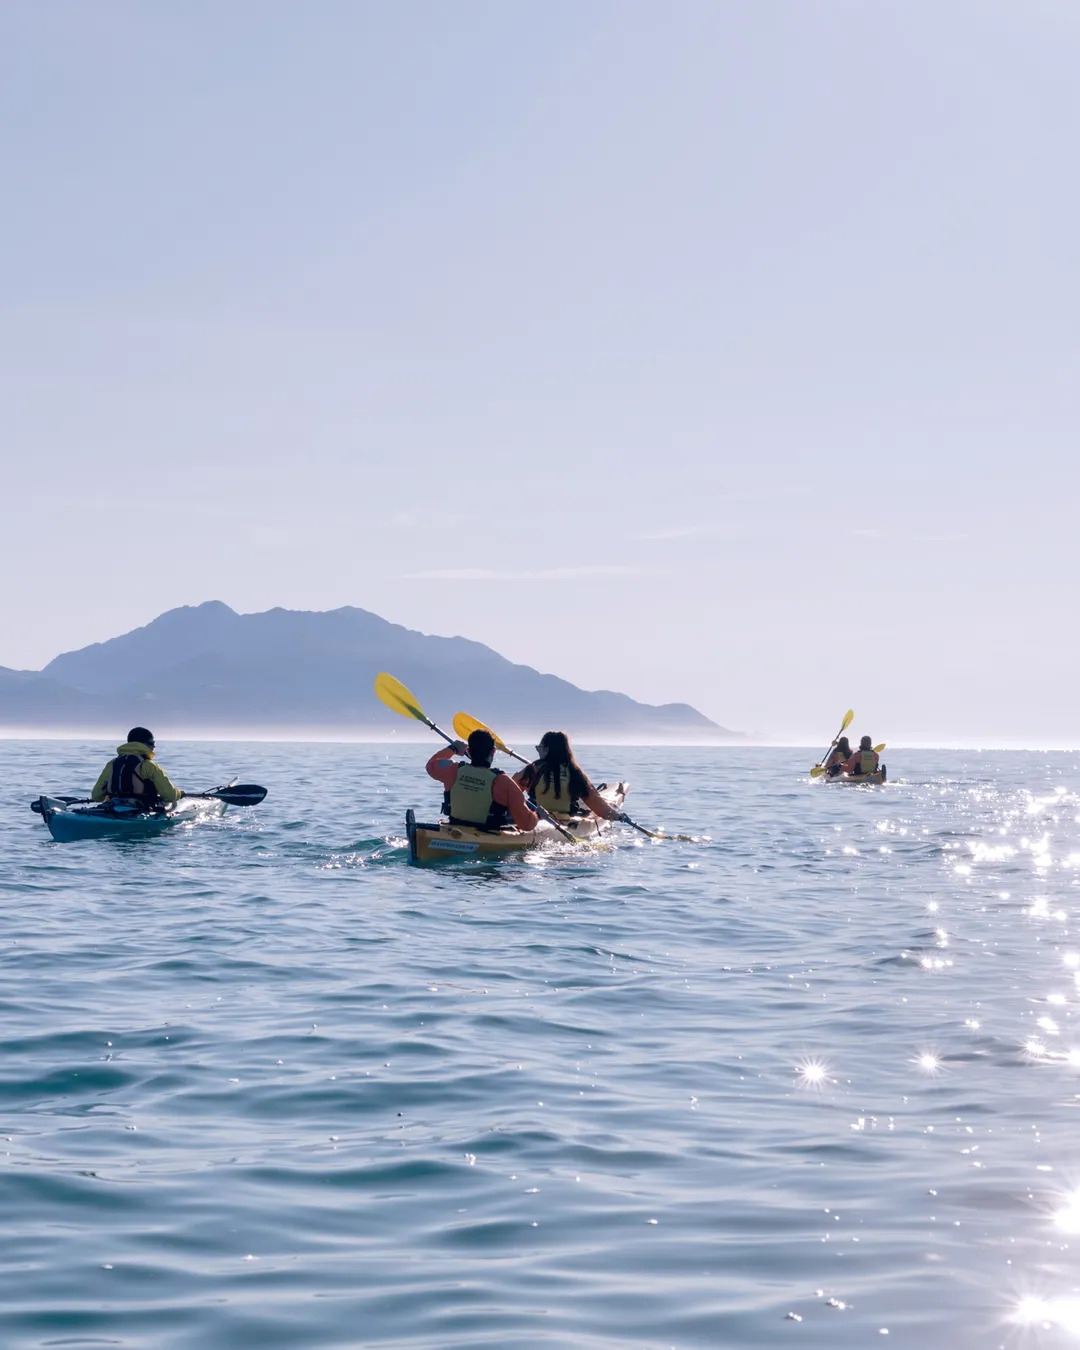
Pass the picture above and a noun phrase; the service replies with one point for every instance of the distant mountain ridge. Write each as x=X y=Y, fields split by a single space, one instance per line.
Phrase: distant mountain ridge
x=202 y=669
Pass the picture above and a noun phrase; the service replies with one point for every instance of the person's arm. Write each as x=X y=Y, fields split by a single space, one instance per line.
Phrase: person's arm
x=507 y=793
x=525 y=777
x=441 y=767
x=853 y=761
x=150 y=772
x=599 y=807
x=99 y=794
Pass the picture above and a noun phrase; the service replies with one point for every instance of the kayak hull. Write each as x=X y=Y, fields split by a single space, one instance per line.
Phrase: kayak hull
x=69 y=823
x=857 y=779
x=442 y=842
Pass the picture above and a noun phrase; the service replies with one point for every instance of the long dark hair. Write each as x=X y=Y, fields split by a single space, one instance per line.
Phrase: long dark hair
x=555 y=755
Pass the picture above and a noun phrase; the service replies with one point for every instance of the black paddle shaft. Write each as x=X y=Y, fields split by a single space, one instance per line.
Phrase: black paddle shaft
x=242 y=794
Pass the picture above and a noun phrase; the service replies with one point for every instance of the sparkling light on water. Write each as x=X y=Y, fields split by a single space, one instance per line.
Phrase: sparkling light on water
x=812 y=1073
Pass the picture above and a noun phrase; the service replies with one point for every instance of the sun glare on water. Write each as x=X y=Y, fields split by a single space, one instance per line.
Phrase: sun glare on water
x=813 y=1073
x=1047 y=1313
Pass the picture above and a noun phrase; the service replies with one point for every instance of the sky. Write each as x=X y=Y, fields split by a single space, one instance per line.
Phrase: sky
x=710 y=351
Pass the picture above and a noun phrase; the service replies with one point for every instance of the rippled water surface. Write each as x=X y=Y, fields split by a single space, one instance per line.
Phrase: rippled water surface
x=810 y=1083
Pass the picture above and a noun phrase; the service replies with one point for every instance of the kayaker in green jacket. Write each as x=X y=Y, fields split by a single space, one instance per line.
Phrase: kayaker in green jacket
x=133 y=775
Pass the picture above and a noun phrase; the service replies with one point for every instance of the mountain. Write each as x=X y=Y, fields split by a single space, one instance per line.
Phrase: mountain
x=206 y=669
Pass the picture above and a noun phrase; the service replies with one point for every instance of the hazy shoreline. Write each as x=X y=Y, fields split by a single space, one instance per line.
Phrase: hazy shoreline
x=516 y=739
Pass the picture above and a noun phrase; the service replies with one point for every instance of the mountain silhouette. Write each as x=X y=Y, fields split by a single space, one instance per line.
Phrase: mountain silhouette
x=206 y=669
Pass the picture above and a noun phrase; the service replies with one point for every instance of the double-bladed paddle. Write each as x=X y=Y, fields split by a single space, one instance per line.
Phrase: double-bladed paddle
x=819 y=768
x=657 y=834
x=465 y=725
x=402 y=701
x=242 y=794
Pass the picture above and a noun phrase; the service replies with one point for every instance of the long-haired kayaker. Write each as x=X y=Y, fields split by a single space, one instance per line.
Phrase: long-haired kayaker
x=133 y=775
x=838 y=756
x=478 y=795
x=557 y=782
x=864 y=760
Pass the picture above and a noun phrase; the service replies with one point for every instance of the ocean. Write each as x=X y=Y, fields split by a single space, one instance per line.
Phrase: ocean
x=813 y=1082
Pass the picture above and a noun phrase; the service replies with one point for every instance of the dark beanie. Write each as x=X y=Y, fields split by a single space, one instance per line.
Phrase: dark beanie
x=141 y=735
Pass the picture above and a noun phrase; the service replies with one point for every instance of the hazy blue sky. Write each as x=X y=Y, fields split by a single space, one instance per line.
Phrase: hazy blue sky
x=744 y=334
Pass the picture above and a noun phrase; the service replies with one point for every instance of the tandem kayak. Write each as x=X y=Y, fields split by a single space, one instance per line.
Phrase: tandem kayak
x=70 y=820
x=857 y=779
x=443 y=842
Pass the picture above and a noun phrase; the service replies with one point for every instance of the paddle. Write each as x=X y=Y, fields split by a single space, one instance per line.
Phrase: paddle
x=243 y=794
x=465 y=725
x=35 y=805
x=400 y=700
x=819 y=768
x=656 y=834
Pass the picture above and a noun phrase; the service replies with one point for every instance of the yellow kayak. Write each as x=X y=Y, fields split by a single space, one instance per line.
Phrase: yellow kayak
x=443 y=842
x=856 y=779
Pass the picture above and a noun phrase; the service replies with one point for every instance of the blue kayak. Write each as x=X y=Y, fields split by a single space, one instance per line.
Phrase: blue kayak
x=69 y=821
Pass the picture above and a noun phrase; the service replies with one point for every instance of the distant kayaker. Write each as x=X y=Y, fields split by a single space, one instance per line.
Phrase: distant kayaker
x=838 y=756
x=480 y=796
x=557 y=782
x=134 y=775
x=864 y=760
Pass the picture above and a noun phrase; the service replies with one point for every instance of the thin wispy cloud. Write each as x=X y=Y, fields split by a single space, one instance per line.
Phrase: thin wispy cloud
x=903 y=536
x=531 y=574
x=675 y=532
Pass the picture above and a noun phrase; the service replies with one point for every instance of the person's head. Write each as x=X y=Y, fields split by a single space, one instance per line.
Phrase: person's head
x=554 y=748
x=866 y=743
x=844 y=746
x=481 y=747
x=142 y=737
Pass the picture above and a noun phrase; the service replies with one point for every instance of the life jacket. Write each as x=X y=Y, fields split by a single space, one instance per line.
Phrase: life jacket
x=557 y=797
x=471 y=799
x=868 y=762
x=124 y=780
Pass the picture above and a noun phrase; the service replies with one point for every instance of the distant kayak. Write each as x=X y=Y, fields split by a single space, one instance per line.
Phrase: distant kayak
x=443 y=842
x=68 y=820
x=856 y=779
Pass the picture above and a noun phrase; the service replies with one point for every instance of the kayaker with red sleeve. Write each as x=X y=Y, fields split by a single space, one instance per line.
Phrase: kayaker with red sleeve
x=480 y=796
x=133 y=775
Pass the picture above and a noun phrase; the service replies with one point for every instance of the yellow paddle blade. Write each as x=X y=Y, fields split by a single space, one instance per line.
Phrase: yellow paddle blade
x=878 y=748
x=848 y=716
x=817 y=770
x=465 y=725
x=398 y=699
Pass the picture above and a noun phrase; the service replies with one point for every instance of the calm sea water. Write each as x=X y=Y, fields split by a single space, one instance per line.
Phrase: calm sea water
x=813 y=1083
